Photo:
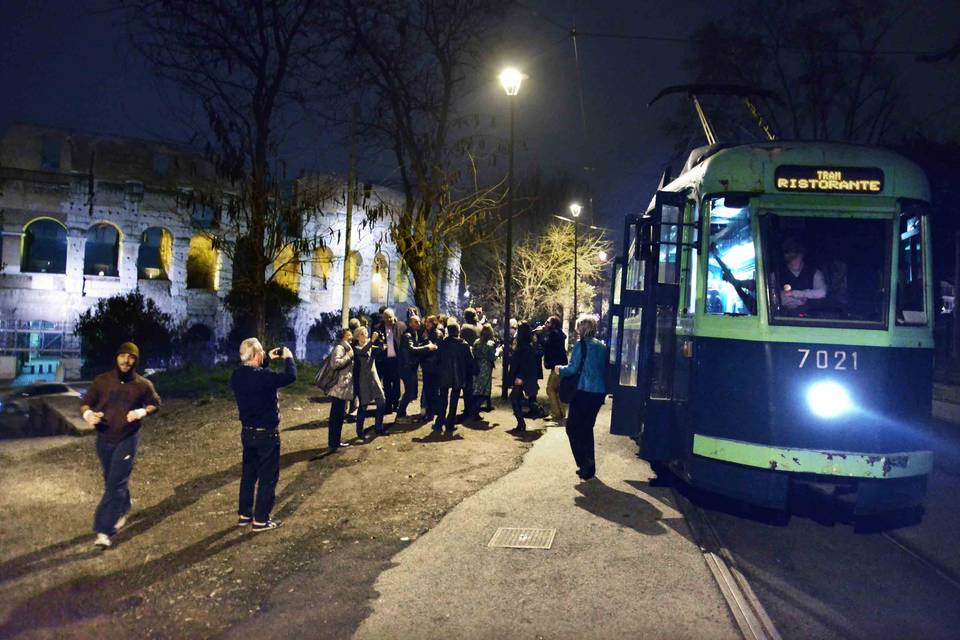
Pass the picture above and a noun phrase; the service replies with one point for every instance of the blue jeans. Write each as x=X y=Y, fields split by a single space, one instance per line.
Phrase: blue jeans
x=261 y=469
x=378 y=418
x=116 y=459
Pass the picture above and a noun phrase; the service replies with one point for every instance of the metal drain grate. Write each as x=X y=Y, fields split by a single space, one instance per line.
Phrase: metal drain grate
x=523 y=538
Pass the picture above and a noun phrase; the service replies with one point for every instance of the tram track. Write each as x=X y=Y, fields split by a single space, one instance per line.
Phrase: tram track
x=747 y=610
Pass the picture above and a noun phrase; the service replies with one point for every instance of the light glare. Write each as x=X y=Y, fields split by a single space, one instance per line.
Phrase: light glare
x=828 y=400
x=511 y=78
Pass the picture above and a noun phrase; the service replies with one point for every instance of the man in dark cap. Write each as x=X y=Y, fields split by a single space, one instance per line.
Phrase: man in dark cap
x=115 y=405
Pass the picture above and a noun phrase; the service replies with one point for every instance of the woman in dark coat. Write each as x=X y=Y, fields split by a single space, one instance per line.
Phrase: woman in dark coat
x=367 y=381
x=524 y=369
x=430 y=364
x=456 y=362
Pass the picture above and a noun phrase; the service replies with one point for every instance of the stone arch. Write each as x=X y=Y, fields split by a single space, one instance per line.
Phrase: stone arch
x=322 y=266
x=287 y=268
x=354 y=265
x=380 y=279
x=43 y=248
x=156 y=254
x=203 y=260
x=101 y=253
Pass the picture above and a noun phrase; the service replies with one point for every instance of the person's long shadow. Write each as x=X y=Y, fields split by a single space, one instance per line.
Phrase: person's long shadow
x=184 y=495
x=624 y=509
x=91 y=596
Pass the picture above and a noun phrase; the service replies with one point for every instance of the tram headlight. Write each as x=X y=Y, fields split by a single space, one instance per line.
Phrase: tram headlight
x=828 y=399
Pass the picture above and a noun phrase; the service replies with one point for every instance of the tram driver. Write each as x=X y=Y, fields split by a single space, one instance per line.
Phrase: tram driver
x=799 y=281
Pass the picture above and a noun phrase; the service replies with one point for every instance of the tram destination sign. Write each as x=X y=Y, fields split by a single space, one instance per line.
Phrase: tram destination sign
x=829 y=179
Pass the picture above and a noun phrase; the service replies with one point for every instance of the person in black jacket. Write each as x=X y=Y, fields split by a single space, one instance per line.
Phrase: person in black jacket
x=413 y=346
x=430 y=364
x=388 y=362
x=554 y=344
x=469 y=332
x=455 y=363
x=255 y=388
x=524 y=367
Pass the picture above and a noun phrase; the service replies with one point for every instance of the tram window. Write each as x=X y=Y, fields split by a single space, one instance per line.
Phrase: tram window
x=732 y=267
x=691 y=256
x=635 y=271
x=617 y=277
x=669 y=269
x=661 y=382
x=822 y=269
x=910 y=282
x=630 y=346
x=614 y=334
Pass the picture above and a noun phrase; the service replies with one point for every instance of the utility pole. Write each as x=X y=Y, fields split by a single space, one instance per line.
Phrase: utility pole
x=348 y=231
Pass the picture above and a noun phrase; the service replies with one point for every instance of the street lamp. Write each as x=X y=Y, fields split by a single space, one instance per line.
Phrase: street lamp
x=602 y=255
x=511 y=79
x=575 y=210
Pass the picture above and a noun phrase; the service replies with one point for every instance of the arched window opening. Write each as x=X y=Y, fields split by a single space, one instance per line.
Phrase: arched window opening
x=322 y=267
x=380 y=279
x=202 y=264
x=287 y=267
x=44 y=247
x=401 y=283
x=101 y=256
x=354 y=265
x=156 y=254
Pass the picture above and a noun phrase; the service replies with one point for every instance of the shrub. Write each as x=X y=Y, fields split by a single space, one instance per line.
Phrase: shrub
x=120 y=319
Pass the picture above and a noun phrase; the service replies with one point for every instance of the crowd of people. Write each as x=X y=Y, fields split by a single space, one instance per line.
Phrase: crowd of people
x=437 y=359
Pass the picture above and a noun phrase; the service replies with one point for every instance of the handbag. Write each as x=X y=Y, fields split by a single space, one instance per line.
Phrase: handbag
x=569 y=384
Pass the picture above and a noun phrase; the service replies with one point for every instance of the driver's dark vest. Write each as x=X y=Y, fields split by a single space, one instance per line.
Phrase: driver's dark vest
x=800 y=282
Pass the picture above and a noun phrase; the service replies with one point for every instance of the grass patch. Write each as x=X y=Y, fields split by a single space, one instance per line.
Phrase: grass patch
x=200 y=382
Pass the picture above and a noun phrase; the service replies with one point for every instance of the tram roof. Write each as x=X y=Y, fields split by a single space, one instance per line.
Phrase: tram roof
x=751 y=167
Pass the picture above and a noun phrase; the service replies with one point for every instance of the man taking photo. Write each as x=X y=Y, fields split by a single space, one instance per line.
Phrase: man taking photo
x=255 y=388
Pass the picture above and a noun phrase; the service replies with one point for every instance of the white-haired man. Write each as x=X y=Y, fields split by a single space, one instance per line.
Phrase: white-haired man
x=255 y=388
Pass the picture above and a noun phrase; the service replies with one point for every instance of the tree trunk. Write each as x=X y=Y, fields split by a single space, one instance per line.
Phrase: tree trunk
x=425 y=286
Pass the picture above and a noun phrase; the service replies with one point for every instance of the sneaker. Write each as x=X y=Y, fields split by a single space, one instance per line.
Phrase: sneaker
x=267 y=526
x=243 y=521
x=102 y=541
x=122 y=521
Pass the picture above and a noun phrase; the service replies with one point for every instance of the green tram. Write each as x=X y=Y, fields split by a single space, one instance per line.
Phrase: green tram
x=749 y=387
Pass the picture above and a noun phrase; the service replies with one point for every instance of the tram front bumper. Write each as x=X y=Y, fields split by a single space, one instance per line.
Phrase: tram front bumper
x=763 y=475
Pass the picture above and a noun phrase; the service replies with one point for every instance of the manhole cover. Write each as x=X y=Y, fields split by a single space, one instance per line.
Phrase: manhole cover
x=523 y=538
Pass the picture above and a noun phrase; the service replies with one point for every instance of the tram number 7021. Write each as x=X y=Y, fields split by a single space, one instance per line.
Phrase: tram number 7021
x=824 y=359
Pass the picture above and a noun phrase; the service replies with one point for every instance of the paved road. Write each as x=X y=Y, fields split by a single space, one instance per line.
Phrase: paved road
x=622 y=564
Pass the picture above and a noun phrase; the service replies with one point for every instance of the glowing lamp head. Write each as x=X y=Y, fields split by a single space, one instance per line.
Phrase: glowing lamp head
x=511 y=79
x=603 y=256
x=575 y=209
x=828 y=400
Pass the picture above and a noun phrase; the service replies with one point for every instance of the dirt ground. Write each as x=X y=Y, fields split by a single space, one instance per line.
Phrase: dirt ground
x=181 y=567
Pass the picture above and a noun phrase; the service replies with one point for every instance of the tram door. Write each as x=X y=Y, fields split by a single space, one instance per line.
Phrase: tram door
x=643 y=321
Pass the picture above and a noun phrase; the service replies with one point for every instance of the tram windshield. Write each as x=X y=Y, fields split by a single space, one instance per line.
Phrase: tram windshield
x=826 y=269
x=732 y=264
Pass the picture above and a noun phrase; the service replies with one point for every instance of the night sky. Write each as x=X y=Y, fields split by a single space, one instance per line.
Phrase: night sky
x=67 y=64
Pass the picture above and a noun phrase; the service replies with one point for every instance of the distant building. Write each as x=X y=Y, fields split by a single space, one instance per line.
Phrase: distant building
x=86 y=216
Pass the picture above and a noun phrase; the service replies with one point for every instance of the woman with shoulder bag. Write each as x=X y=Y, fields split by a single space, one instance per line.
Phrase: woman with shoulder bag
x=588 y=362
x=342 y=390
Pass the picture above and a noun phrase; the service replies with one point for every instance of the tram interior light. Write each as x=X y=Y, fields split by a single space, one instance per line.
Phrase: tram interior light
x=828 y=400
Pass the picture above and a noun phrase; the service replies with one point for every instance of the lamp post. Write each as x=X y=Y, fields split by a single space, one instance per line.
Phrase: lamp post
x=511 y=79
x=575 y=210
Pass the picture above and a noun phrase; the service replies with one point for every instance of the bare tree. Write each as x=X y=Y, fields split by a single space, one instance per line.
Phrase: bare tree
x=544 y=271
x=409 y=62
x=248 y=63
x=823 y=59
